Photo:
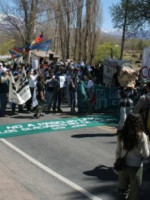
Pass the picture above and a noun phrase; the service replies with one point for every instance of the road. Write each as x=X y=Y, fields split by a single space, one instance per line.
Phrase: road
x=60 y=165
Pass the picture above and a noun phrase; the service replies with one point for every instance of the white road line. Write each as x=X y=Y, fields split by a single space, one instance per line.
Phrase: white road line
x=51 y=172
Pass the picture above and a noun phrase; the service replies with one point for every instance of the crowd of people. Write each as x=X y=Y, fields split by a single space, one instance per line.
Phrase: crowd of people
x=54 y=83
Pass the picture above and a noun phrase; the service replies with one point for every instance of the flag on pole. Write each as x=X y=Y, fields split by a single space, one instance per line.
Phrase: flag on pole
x=43 y=46
x=38 y=39
x=14 y=54
x=18 y=50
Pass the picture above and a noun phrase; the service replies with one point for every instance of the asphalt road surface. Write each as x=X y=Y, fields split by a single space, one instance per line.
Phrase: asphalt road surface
x=63 y=165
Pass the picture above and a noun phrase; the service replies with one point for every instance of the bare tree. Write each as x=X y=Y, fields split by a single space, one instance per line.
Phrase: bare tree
x=78 y=31
x=72 y=24
x=22 y=15
x=91 y=29
x=96 y=20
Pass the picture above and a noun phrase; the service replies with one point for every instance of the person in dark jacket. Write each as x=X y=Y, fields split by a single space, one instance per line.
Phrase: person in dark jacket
x=4 y=89
x=127 y=94
x=40 y=96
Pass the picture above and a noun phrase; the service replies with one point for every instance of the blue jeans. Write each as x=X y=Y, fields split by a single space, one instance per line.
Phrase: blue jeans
x=72 y=98
x=58 y=94
x=3 y=103
x=49 y=99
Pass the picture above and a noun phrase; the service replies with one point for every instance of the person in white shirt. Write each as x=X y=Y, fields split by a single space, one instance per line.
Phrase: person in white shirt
x=32 y=78
x=61 y=78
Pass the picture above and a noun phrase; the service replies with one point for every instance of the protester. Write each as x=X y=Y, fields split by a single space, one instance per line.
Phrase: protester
x=143 y=106
x=51 y=83
x=70 y=70
x=17 y=74
x=32 y=85
x=61 y=78
x=127 y=94
x=133 y=142
x=4 y=89
x=89 y=91
x=1 y=67
x=73 y=89
x=40 y=96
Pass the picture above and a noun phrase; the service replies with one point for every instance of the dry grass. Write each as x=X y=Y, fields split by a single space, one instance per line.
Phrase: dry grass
x=134 y=57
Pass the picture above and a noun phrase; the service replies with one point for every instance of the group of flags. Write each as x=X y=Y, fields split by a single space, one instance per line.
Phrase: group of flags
x=38 y=43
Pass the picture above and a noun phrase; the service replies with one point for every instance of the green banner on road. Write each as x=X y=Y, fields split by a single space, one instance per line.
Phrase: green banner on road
x=12 y=130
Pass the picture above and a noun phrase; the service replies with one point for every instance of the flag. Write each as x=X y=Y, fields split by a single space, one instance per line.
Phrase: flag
x=38 y=39
x=19 y=91
x=18 y=50
x=14 y=54
x=43 y=46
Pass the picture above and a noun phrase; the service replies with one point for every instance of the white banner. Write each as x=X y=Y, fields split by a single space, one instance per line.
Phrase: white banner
x=34 y=99
x=145 y=71
x=110 y=68
x=19 y=91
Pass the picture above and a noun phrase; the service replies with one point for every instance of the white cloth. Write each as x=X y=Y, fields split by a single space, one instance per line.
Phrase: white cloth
x=33 y=81
x=62 y=81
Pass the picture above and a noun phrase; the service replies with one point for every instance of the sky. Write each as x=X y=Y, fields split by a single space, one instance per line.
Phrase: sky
x=107 y=22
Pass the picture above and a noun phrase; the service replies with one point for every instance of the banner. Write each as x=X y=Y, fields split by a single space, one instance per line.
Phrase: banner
x=145 y=71
x=34 y=99
x=43 y=46
x=35 y=61
x=110 y=68
x=19 y=91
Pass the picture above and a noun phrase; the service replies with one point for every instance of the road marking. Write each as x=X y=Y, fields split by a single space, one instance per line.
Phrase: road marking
x=51 y=172
x=111 y=129
x=46 y=126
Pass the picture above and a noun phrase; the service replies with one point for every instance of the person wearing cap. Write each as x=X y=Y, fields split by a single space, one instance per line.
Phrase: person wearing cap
x=4 y=89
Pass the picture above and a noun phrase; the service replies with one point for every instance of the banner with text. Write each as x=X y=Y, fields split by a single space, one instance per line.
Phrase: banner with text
x=12 y=130
x=19 y=91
